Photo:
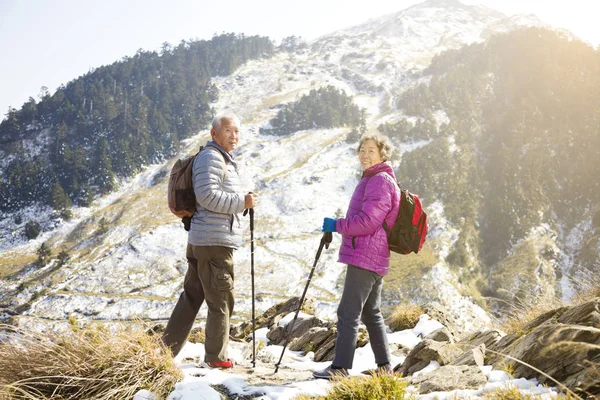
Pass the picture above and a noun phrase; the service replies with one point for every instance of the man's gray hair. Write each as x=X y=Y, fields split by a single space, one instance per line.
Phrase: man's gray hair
x=383 y=144
x=216 y=122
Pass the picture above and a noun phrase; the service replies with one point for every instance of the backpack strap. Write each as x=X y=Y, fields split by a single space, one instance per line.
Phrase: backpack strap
x=222 y=157
x=384 y=225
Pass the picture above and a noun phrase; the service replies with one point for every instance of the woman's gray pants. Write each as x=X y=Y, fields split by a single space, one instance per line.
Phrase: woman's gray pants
x=360 y=301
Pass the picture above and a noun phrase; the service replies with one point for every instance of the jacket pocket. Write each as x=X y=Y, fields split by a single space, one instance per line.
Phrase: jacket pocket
x=222 y=274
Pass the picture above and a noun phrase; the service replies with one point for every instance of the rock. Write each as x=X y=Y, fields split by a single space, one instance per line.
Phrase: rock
x=272 y=316
x=398 y=350
x=441 y=335
x=311 y=340
x=280 y=334
x=326 y=351
x=547 y=317
x=197 y=335
x=145 y=395
x=473 y=356
x=449 y=377
x=426 y=351
x=587 y=314
x=568 y=353
x=157 y=329
x=489 y=338
x=436 y=311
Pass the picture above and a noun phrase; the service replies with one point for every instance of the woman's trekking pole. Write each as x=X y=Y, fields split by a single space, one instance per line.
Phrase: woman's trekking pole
x=325 y=241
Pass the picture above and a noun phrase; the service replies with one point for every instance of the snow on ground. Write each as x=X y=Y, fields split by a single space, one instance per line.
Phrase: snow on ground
x=197 y=381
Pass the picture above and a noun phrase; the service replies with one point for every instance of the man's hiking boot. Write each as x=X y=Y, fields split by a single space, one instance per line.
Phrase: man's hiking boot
x=229 y=363
x=331 y=372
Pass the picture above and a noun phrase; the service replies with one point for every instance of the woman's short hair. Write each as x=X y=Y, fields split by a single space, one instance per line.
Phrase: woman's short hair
x=383 y=144
x=216 y=122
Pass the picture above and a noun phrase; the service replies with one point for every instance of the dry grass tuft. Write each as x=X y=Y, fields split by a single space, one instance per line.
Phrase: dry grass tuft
x=524 y=311
x=589 y=287
x=375 y=387
x=90 y=364
x=197 y=335
x=510 y=393
x=404 y=317
x=513 y=393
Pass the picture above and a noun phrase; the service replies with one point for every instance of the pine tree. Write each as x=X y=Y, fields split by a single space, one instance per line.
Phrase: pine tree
x=43 y=253
x=58 y=198
x=105 y=178
x=32 y=229
x=63 y=258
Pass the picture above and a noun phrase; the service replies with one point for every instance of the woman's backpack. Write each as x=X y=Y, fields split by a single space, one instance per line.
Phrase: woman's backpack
x=409 y=231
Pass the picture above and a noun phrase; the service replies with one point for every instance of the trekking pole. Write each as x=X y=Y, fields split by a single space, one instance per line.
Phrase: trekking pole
x=251 y=211
x=252 y=274
x=325 y=241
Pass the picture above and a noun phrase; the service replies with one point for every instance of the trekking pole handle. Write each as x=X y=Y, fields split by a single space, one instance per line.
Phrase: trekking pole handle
x=327 y=238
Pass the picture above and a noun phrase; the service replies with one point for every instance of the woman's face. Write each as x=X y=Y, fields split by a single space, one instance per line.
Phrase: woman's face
x=369 y=154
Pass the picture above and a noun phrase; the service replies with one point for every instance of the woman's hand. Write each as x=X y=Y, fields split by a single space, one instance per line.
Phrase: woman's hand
x=329 y=225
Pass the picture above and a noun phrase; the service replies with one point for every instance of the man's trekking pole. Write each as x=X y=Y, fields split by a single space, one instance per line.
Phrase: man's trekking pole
x=251 y=210
x=252 y=274
x=325 y=241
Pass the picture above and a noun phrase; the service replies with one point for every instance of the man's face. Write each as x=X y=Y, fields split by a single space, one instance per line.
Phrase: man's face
x=227 y=135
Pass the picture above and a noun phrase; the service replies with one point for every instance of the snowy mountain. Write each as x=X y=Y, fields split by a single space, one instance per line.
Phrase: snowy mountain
x=127 y=252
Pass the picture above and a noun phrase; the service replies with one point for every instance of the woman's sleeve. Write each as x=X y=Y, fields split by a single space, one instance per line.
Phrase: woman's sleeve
x=376 y=205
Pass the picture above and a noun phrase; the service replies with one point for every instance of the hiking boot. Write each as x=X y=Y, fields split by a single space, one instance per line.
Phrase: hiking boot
x=385 y=369
x=229 y=363
x=331 y=372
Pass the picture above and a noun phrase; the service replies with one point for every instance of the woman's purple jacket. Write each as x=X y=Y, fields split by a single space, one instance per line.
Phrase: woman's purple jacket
x=376 y=199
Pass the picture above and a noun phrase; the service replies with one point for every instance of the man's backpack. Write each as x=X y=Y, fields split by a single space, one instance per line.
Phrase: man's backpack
x=181 y=196
x=408 y=234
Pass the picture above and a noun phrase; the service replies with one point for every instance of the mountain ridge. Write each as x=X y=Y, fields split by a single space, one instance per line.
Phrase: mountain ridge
x=137 y=253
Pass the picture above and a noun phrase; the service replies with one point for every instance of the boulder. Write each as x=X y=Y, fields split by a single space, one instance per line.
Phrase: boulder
x=272 y=316
x=488 y=338
x=436 y=311
x=448 y=378
x=426 y=351
x=280 y=334
x=326 y=350
x=563 y=343
x=441 y=335
x=473 y=356
x=311 y=340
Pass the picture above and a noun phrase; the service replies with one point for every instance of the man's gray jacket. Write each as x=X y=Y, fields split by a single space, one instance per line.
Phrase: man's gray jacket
x=219 y=199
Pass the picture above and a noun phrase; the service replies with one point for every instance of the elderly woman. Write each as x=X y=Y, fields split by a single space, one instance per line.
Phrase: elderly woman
x=365 y=250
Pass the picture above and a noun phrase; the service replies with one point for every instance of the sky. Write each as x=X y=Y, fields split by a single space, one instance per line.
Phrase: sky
x=51 y=42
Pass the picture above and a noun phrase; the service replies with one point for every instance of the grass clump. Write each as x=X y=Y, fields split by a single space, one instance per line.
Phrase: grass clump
x=513 y=393
x=404 y=316
x=90 y=363
x=509 y=393
x=197 y=335
x=376 y=387
x=522 y=312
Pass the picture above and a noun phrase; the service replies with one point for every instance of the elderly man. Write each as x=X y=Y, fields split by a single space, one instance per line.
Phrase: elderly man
x=215 y=232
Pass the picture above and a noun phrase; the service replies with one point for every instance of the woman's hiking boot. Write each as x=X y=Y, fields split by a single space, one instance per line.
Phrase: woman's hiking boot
x=331 y=372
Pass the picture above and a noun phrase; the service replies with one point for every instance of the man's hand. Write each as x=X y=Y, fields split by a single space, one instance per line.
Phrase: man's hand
x=250 y=200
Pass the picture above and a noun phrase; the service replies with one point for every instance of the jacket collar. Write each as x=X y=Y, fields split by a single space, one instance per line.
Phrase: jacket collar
x=214 y=144
x=377 y=168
